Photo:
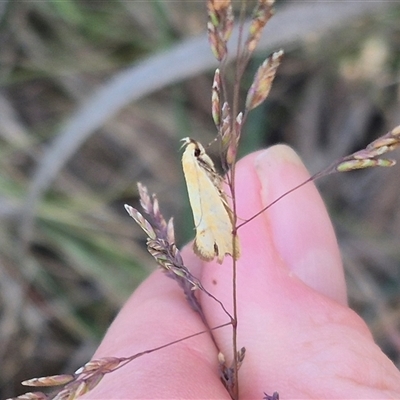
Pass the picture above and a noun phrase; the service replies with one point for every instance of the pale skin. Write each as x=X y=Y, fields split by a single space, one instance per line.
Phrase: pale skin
x=301 y=338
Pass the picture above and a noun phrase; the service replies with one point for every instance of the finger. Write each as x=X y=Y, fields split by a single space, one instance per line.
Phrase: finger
x=300 y=227
x=301 y=339
x=156 y=314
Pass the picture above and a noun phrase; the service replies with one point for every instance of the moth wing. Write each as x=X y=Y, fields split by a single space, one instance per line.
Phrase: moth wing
x=214 y=230
x=210 y=212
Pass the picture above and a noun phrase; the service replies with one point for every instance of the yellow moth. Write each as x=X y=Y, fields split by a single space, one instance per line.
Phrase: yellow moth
x=211 y=212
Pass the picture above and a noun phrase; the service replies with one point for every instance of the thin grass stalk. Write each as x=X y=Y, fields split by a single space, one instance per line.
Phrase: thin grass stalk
x=235 y=110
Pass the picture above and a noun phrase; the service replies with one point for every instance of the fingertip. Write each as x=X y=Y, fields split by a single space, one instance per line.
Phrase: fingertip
x=300 y=225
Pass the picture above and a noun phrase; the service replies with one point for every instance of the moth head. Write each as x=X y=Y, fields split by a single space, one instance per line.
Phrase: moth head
x=195 y=147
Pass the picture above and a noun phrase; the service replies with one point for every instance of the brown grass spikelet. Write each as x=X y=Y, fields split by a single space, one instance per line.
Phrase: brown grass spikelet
x=275 y=396
x=220 y=15
x=261 y=15
x=226 y=126
x=85 y=385
x=85 y=379
x=145 y=199
x=158 y=243
x=80 y=389
x=106 y=364
x=94 y=380
x=219 y=26
x=352 y=165
x=155 y=226
x=396 y=131
x=161 y=251
x=65 y=394
x=161 y=245
x=369 y=157
x=226 y=121
x=263 y=79
x=218 y=46
x=54 y=380
x=387 y=142
x=221 y=4
x=227 y=374
x=234 y=142
x=365 y=158
x=216 y=99
x=151 y=207
x=240 y=356
x=170 y=231
x=31 y=396
x=225 y=132
x=141 y=221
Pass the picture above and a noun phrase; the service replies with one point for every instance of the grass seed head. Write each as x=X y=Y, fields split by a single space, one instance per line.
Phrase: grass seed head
x=368 y=157
x=105 y=364
x=54 y=380
x=216 y=99
x=234 y=140
x=31 y=396
x=219 y=26
x=263 y=79
x=261 y=15
x=141 y=221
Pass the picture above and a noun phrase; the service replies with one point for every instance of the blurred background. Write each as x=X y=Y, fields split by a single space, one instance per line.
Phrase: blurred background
x=95 y=96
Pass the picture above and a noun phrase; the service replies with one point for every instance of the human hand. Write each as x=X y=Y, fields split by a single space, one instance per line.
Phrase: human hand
x=301 y=339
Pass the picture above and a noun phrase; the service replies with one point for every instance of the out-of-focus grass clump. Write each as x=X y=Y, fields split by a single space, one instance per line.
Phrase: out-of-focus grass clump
x=62 y=287
x=62 y=281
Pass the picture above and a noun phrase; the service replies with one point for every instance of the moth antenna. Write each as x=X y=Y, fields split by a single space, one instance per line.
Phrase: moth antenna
x=212 y=142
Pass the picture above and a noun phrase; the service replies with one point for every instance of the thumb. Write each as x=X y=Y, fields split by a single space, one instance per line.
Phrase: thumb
x=301 y=338
x=299 y=224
